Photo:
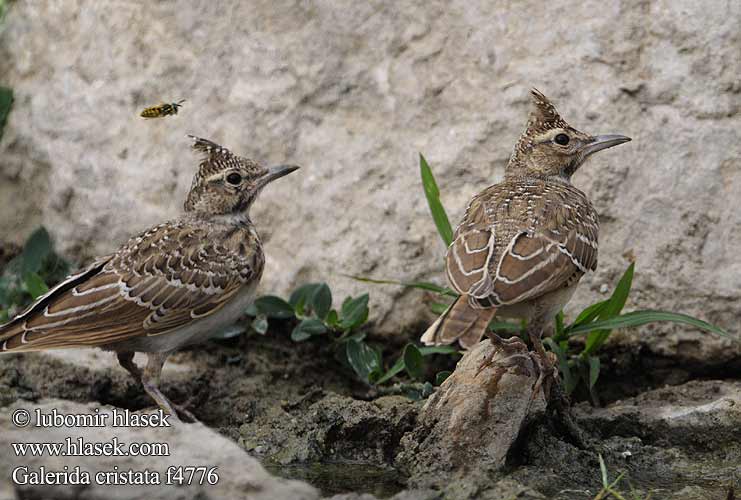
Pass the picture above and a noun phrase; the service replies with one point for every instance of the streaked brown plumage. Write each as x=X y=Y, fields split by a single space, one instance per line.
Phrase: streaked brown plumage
x=174 y=284
x=524 y=243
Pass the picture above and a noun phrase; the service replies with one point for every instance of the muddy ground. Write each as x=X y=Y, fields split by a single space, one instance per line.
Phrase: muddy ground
x=306 y=416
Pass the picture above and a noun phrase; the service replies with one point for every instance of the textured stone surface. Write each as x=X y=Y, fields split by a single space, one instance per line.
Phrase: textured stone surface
x=240 y=476
x=352 y=91
x=466 y=429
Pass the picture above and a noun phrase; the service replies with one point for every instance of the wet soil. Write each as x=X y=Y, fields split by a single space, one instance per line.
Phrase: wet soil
x=306 y=416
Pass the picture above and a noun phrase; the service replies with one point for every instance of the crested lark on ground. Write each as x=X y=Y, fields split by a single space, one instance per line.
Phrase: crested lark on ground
x=525 y=242
x=173 y=285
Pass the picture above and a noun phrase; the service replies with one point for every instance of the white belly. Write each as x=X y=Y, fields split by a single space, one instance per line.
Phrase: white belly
x=543 y=308
x=198 y=331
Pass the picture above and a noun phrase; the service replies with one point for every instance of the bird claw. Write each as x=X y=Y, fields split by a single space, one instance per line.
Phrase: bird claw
x=513 y=345
x=182 y=414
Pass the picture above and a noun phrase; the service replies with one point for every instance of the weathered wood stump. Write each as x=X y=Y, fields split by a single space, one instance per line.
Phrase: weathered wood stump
x=473 y=420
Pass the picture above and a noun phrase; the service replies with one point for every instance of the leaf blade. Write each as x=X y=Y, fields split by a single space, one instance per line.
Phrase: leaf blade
x=646 y=316
x=413 y=362
x=432 y=193
x=273 y=306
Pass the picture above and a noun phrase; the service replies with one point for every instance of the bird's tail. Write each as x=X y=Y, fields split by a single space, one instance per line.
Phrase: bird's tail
x=459 y=322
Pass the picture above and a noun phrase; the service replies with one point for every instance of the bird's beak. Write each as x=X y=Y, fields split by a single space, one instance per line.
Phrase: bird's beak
x=601 y=142
x=275 y=173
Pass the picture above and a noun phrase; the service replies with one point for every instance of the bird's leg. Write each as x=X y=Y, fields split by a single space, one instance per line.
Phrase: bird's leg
x=512 y=346
x=150 y=380
x=557 y=402
x=126 y=360
x=547 y=375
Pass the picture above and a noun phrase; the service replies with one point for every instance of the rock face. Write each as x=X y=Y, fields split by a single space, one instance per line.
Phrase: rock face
x=239 y=475
x=352 y=92
x=468 y=426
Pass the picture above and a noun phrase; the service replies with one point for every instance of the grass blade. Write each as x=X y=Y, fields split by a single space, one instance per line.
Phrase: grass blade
x=6 y=99
x=614 y=306
x=639 y=318
x=433 y=200
x=422 y=285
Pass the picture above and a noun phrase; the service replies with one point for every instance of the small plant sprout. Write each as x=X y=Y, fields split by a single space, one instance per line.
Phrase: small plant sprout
x=310 y=308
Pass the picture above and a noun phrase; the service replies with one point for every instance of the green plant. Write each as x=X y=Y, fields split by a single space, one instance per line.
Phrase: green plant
x=28 y=275
x=310 y=308
x=6 y=97
x=609 y=489
x=577 y=364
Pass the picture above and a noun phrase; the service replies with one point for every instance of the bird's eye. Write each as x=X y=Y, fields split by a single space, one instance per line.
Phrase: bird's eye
x=234 y=179
x=561 y=139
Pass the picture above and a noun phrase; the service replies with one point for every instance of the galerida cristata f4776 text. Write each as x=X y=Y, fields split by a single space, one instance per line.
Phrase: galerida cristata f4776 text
x=172 y=285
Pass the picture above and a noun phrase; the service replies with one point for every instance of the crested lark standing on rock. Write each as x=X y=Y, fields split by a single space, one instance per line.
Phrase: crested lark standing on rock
x=173 y=285
x=524 y=243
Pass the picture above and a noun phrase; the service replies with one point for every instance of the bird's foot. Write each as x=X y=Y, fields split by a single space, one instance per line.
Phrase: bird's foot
x=514 y=346
x=183 y=414
x=175 y=411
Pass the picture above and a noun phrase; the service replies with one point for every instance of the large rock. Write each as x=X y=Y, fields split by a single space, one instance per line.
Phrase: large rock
x=467 y=428
x=352 y=91
x=237 y=475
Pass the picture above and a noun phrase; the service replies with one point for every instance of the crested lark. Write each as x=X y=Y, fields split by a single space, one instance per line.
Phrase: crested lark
x=524 y=243
x=173 y=285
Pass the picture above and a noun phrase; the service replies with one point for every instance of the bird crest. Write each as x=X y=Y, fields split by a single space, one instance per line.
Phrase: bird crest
x=543 y=117
x=217 y=158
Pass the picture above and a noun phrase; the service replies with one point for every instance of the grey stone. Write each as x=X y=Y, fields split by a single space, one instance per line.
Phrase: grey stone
x=239 y=475
x=466 y=429
x=352 y=91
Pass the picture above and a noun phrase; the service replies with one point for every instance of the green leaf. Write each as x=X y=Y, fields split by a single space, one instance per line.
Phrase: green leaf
x=422 y=285
x=332 y=320
x=6 y=102
x=393 y=371
x=354 y=312
x=620 y=295
x=230 y=331
x=321 y=300
x=438 y=307
x=301 y=297
x=36 y=249
x=35 y=285
x=413 y=362
x=398 y=367
x=594 y=366
x=433 y=200
x=590 y=313
x=260 y=324
x=559 y=335
x=639 y=318
x=307 y=328
x=442 y=377
x=569 y=381
x=274 y=307
x=251 y=310
x=363 y=358
x=614 y=305
x=438 y=349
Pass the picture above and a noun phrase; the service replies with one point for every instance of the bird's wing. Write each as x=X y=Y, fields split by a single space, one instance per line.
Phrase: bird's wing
x=508 y=250
x=469 y=256
x=159 y=281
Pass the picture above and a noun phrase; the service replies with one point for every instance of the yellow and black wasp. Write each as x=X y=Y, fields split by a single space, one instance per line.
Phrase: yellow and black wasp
x=162 y=110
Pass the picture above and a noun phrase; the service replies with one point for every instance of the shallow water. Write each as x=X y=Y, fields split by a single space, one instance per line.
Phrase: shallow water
x=336 y=478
